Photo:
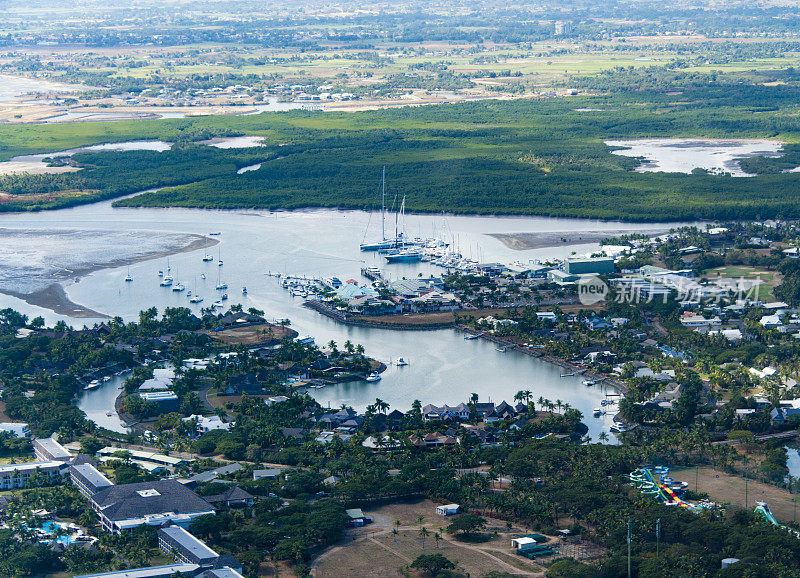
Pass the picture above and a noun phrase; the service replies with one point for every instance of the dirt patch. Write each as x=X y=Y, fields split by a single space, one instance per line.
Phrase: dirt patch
x=259 y=334
x=376 y=551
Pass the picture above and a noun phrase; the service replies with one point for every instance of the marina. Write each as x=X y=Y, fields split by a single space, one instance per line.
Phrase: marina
x=447 y=365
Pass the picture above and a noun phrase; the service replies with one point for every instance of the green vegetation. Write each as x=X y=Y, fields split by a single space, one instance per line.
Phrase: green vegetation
x=518 y=157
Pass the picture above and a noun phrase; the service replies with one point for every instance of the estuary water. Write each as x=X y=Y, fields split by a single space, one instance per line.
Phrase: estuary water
x=683 y=155
x=443 y=367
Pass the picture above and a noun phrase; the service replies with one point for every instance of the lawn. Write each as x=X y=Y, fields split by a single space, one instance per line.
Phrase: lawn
x=769 y=279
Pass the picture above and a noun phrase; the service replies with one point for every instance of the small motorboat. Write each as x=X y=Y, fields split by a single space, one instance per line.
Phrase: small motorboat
x=196 y=299
x=589 y=382
x=207 y=258
x=219 y=263
x=110 y=413
x=179 y=287
x=373 y=377
x=160 y=273
x=244 y=290
x=94 y=384
x=221 y=287
x=598 y=412
x=107 y=378
x=128 y=279
x=224 y=297
x=217 y=304
x=400 y=362
x=202 y=275
x=166 y=282
x=215 y=233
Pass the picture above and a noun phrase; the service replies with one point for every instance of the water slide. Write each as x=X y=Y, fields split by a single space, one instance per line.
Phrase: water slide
x=646 y=483
x=763 y=509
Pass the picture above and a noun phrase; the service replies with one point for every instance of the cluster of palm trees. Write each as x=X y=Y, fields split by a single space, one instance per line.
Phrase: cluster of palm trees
x=379 y=406
x=349 y=348
x=526 y=395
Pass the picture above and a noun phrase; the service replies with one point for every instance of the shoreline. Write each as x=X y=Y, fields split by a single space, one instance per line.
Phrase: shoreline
x=546 y=240
x=54 y=297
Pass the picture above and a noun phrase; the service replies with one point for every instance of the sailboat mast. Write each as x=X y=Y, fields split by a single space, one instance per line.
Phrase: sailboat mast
x=383 y=205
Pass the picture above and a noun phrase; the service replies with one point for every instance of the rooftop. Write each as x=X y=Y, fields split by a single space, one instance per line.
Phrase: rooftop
x=151 y=572
x=91 y=475
x=189 y=543
x=29 y=466
x=130 y=501
x=52 y=448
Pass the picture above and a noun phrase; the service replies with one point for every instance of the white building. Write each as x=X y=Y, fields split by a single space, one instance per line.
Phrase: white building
x=207 y=424
x=447 y=510
x=19 y=475
x=16 y=428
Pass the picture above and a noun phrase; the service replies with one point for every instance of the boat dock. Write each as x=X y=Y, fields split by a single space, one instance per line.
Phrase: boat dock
x=372 y=273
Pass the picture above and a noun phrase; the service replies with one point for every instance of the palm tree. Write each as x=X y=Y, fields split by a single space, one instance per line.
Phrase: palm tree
x=333 y=348
x=348 y=346
x=420 y=520
x=394 y=534
x=603 y=436
x=381 y=405
x=360 y=349
x=423 y=533
x=559 y=404
x=473 y=398
x=437 y=536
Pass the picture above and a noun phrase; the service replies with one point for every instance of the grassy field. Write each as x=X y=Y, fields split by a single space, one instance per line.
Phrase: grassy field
x=769 y=279
x=728 y=489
